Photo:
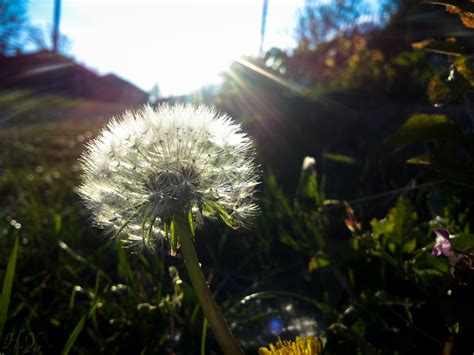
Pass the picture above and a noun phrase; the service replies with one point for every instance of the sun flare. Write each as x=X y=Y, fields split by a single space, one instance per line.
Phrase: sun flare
x=179 y=45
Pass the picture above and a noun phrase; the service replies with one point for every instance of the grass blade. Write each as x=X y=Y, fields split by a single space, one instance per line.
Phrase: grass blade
x=7 y=286
x=72 y=338
x=80 y=325
x=124 y=268
x=203 y=336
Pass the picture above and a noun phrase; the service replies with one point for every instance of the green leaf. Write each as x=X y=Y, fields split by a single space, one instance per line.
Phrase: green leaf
x=214 y=207
x=442 y=92
x=455 y=328
x=463 y=241
x=317 y=262
x=409 y=246
x=340 y=158
x=403 y=217
x=288 y=240
x=308 y=186
x=438 y=92
x=381 y=227
x=423 y=159
x=73 y=336
x=397 y=226
x=359 y=328
x=57 y=222
x=429 y=269
x=276 y=200
x=7 y=286
x=464 y=67
x=420 y=128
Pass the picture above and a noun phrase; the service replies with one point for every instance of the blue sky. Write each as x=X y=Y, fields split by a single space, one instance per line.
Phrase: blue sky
x=179 y=44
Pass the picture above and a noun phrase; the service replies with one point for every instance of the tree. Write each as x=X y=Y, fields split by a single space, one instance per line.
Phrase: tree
x=37 y=38
x=155 y=94
x=319 y=22
x=13 y=20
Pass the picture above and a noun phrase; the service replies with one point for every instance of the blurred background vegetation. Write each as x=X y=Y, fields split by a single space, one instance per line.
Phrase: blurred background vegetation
x=342 y=248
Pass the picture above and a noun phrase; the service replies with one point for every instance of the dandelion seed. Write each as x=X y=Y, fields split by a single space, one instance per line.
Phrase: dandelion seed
x=151 y=165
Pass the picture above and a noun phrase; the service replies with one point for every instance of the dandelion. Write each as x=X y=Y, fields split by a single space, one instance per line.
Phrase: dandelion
x=301 y=346
x=154 y=164
x=155 y=174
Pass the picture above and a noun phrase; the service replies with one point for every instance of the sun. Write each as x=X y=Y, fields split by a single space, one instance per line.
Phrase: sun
x=180 y=45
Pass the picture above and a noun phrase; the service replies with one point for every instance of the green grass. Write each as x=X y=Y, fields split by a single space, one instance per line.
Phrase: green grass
x=7 y=286
x=75 y=286
x=83 y=293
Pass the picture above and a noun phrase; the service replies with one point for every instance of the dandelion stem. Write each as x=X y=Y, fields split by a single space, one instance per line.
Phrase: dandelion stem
x=209 y=306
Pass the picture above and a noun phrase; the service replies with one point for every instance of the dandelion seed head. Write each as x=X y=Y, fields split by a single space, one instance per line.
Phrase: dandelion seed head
x=151 y=165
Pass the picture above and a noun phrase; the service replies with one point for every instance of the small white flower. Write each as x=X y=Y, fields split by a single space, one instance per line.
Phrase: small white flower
x=152 y=165
x=309 y=163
